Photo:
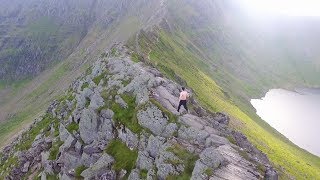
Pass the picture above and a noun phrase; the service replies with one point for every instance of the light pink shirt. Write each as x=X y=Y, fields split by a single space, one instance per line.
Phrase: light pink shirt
x=183 y=95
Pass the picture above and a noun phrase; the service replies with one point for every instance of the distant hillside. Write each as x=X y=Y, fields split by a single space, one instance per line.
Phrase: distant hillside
x=35 y=34
x=246 y=55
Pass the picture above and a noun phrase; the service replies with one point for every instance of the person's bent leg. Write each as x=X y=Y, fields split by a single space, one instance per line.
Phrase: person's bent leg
x=180 y=103
x=185 y=106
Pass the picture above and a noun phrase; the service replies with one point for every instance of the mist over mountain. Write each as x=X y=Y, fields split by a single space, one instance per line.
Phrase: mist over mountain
x=37 y=34
x=224 y=54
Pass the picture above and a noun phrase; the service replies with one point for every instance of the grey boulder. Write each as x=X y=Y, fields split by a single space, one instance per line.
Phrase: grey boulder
x=96 y=101
x=153 y=119
x=99 y=168
x=144 y=161
x=134 y=175
x=88 y=125
x=211 y=157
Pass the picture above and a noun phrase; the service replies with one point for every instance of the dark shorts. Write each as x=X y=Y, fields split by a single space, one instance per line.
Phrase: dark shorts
x=184 y=104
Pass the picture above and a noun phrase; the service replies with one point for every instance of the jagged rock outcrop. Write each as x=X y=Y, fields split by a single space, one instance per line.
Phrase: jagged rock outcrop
x=119 y=121
x=153 y=119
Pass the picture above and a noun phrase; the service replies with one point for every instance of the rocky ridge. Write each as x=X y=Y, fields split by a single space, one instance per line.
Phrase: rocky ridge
x=119 y=121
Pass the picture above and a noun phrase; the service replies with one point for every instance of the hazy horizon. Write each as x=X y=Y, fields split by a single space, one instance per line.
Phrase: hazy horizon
x=291 y=8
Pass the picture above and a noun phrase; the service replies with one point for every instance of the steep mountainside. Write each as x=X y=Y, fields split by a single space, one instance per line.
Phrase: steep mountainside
x=120 y=121
x=227 y=64
x=223 y=54
x=244 y=55
x=36 y=34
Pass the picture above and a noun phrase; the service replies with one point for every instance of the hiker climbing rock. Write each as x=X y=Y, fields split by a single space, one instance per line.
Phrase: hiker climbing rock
x=183 y=99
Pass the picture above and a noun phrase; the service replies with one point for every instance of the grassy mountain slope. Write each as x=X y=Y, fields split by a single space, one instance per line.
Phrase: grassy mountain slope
x=236 y=47
x=174 y=58
x=225 y=75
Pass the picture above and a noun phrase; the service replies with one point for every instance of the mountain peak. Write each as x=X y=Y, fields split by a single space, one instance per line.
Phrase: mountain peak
x=120 y=121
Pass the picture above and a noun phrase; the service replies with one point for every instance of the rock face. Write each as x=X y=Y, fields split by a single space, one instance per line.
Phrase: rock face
x=120 y=121
x=88 y=125
x=99 y=168
x=96 y=101
x=153 y=119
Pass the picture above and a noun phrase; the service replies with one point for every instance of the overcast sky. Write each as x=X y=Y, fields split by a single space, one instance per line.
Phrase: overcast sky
x=282 y=7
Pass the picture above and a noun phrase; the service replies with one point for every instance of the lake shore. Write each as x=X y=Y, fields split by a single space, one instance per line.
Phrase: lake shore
x=294 y=114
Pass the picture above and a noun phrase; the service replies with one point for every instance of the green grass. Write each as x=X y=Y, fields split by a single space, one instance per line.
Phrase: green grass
x=261 y=168
x=5 y=166
x=67 y=96
x=29 y=136
x=114 y=52
x=79 y=170
x=187 y=158
x=173 y=52
x=143 y=174
x=70 y=97
x=231 y=139
x=14 y=86
x=124 y=157
x=55 y=150
x=208 y=172
x=127 y=116
x=14 y=123
x=88 y=70
x=58 y=73
x=84 y=85
x=27 y=140
x=87 y=102
x=174 y=162
x=135 y=57
x=104 y=94
x=126 y=82
x=52 y=177
x=97 y=79
x=73 y=127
